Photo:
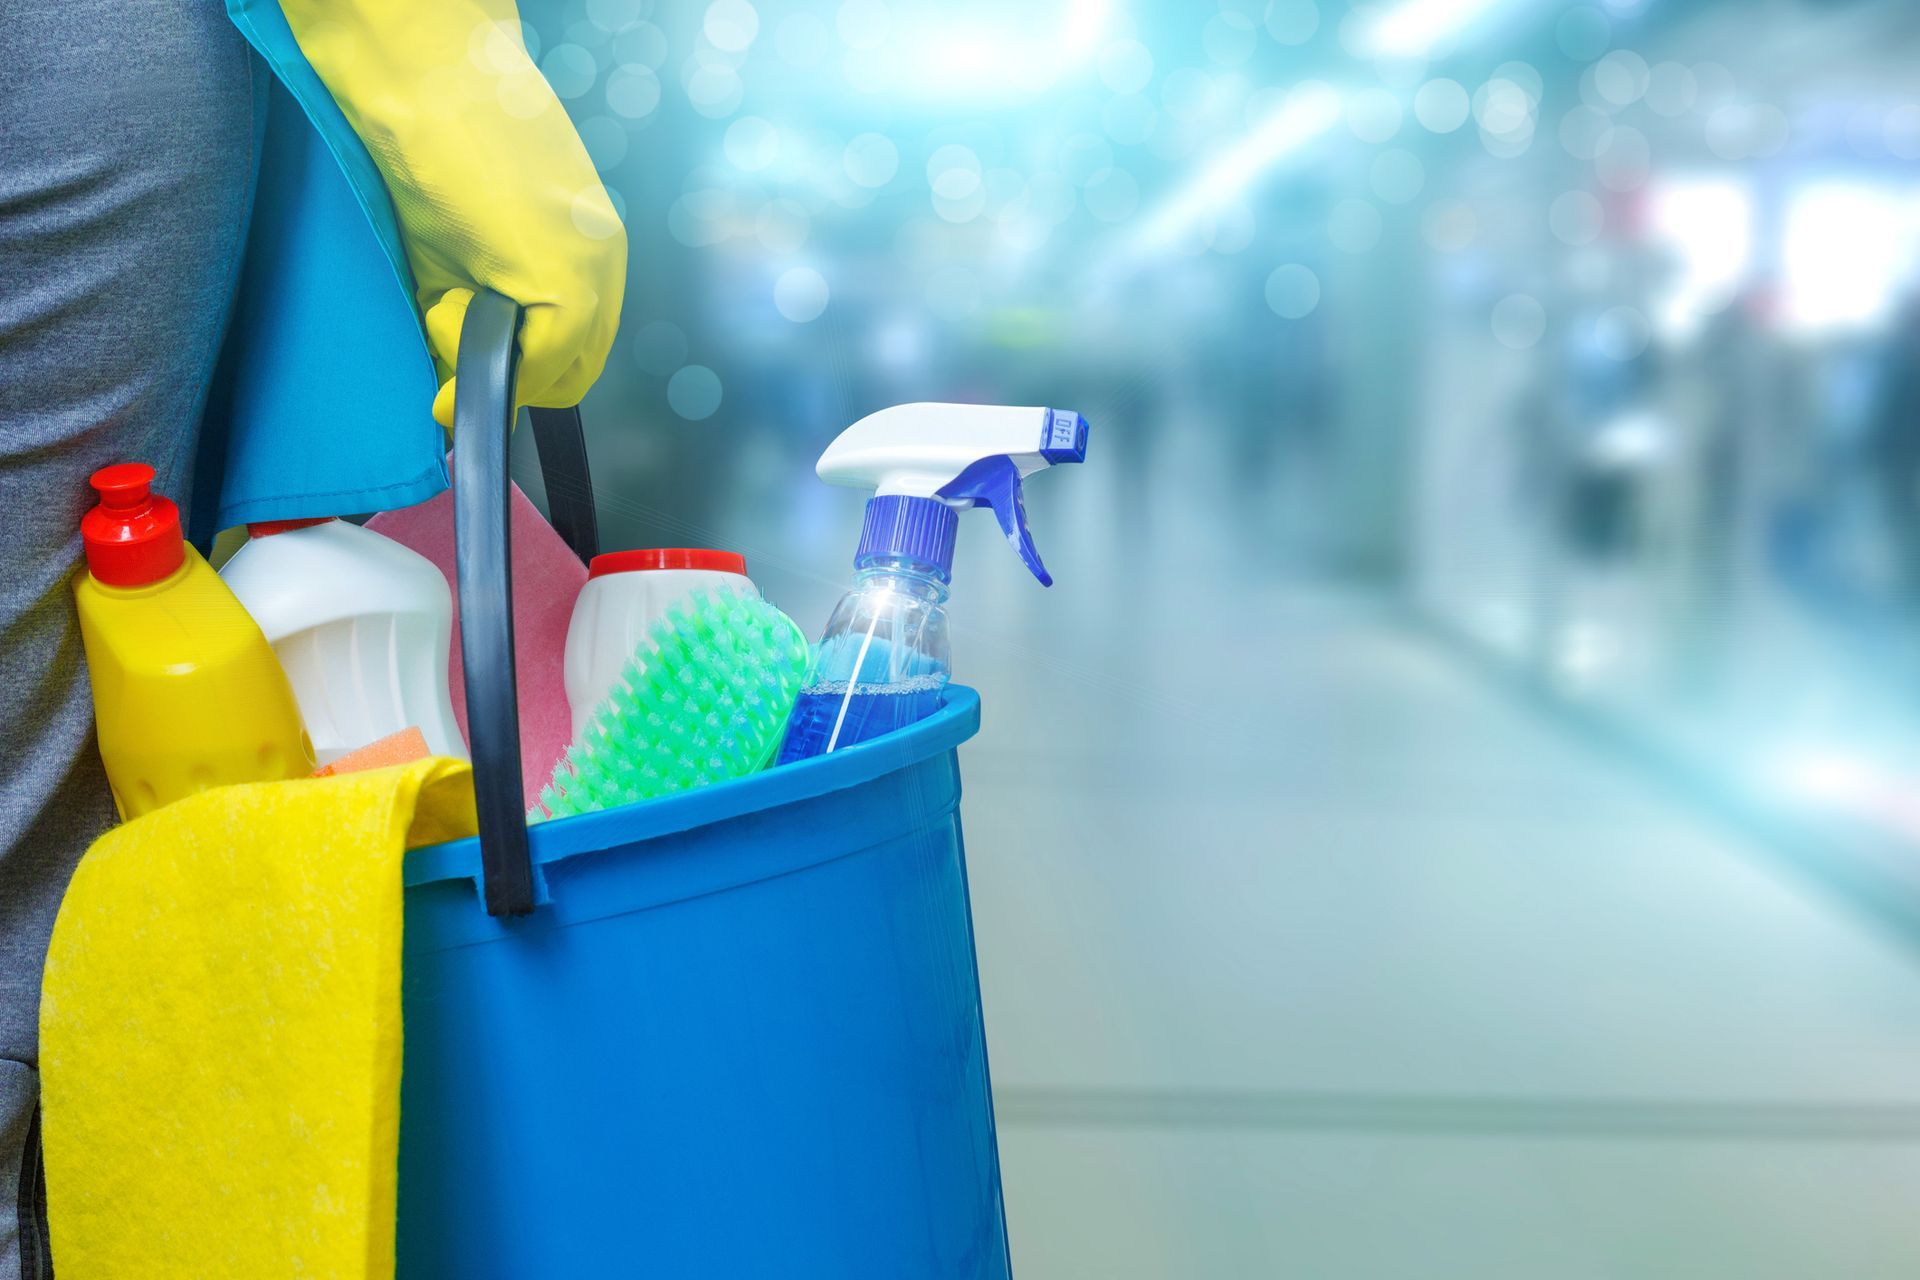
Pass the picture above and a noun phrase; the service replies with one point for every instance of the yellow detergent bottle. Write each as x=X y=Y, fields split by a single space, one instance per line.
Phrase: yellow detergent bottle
x=186 y=690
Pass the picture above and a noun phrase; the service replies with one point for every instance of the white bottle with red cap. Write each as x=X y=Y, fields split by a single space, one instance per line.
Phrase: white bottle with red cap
x=626 y=593
x=362 y=626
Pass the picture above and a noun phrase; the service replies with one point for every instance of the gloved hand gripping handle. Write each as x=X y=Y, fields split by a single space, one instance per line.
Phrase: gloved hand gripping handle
x=483 y=414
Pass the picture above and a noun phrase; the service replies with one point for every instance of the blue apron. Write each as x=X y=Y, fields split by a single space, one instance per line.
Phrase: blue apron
x=322 y=400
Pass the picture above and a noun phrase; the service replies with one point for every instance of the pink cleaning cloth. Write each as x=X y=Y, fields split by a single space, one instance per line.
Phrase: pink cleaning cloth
x=547 y=577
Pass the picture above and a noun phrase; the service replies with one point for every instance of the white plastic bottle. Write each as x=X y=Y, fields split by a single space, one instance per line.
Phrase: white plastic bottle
x=626 y=593
x=362 y=626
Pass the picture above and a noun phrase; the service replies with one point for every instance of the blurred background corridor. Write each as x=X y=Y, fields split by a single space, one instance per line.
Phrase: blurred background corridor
x=1456 y=813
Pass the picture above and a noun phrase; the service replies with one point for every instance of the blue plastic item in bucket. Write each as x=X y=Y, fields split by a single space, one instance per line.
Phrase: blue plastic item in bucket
x=732 y=1033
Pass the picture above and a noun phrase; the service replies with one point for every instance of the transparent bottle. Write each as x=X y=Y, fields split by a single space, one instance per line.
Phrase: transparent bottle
x=883 y=662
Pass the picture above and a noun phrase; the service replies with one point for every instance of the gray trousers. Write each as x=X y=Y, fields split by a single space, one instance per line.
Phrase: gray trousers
x=126 y=178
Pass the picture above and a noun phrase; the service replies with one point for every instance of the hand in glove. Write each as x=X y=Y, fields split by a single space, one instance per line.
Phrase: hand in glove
x=491 y=184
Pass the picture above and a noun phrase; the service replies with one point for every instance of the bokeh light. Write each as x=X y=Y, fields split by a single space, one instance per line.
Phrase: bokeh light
x=613 y=15
x=1373 y=115
x=800 y=294
x=1126 y=66
x=731 y=25
x=1113 y=196
x=714 y=89
x=1442 y=105
x=642 y=44
x=1292 y=22
x=1397 y=175
x=1622 y=333
x=1626 y=160
x=702 y=217
x=1292 y=291
x=570 y=69
x=1621 y=77
x=752 y=143
x=1449 y=225
x=1229 y=39
x=1188 y=95
x=863 y=24
x=781 y=226
x=953 y=172
x=1585 y=132
x=694 y=392
x=1519 y=321
x=1714 y=85
x=633 y=90
x=871 y=160
x=1576 y=218
x=1670 y=89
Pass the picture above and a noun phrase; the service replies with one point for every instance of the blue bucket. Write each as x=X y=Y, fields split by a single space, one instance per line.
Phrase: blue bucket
x=741 y=1037
x=735 y=1032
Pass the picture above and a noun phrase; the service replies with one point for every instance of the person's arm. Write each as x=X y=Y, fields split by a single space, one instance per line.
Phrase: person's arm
x=492 y=186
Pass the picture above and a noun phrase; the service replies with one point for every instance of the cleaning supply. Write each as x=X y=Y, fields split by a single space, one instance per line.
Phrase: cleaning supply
x=362 y=626
x=884 y=660
x=626 y=593
x=704 y=699
x=186 y=690
x=220 y=1037
x=403 y=747
x=547 y=578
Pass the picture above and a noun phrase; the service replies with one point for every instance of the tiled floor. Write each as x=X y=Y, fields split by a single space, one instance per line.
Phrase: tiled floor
x=1308 y=953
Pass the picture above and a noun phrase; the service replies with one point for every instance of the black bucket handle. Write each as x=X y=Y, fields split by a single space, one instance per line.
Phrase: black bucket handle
x=483 y=413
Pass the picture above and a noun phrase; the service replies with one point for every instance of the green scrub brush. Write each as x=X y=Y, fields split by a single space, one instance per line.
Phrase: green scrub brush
x=706 y=698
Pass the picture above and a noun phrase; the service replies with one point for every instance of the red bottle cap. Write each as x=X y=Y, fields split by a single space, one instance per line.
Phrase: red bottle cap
x=133 y=536
x=267 y=528
x=667 y=558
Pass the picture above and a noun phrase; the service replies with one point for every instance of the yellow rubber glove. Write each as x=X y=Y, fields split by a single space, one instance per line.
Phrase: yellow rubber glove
x=492 y=186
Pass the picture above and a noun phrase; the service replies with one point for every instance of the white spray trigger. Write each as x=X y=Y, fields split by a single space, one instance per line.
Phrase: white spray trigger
x=960 y=455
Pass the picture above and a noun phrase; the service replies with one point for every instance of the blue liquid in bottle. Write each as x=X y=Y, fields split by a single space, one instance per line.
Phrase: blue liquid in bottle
x=883 y=662
x=826 y=718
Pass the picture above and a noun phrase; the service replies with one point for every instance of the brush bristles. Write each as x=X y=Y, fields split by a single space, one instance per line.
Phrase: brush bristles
x=704 y=699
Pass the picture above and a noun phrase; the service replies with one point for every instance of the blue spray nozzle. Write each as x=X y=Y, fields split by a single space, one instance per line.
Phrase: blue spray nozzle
x=995 y=483
x=926 y=461
x=1064 y=438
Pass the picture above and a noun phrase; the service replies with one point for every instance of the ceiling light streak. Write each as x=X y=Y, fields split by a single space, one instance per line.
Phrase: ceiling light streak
x=1412 y=28
x=1304 y=117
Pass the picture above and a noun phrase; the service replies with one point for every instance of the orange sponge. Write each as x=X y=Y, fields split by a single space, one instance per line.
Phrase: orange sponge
x=396 y=748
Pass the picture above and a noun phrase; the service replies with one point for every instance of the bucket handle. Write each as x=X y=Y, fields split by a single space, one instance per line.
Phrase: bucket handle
x=483 y=413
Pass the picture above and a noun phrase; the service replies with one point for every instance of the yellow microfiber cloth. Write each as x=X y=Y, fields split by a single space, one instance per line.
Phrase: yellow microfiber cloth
x=220 y=1030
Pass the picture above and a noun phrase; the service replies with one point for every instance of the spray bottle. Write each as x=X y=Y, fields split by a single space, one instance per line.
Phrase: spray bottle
x=883 y=662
